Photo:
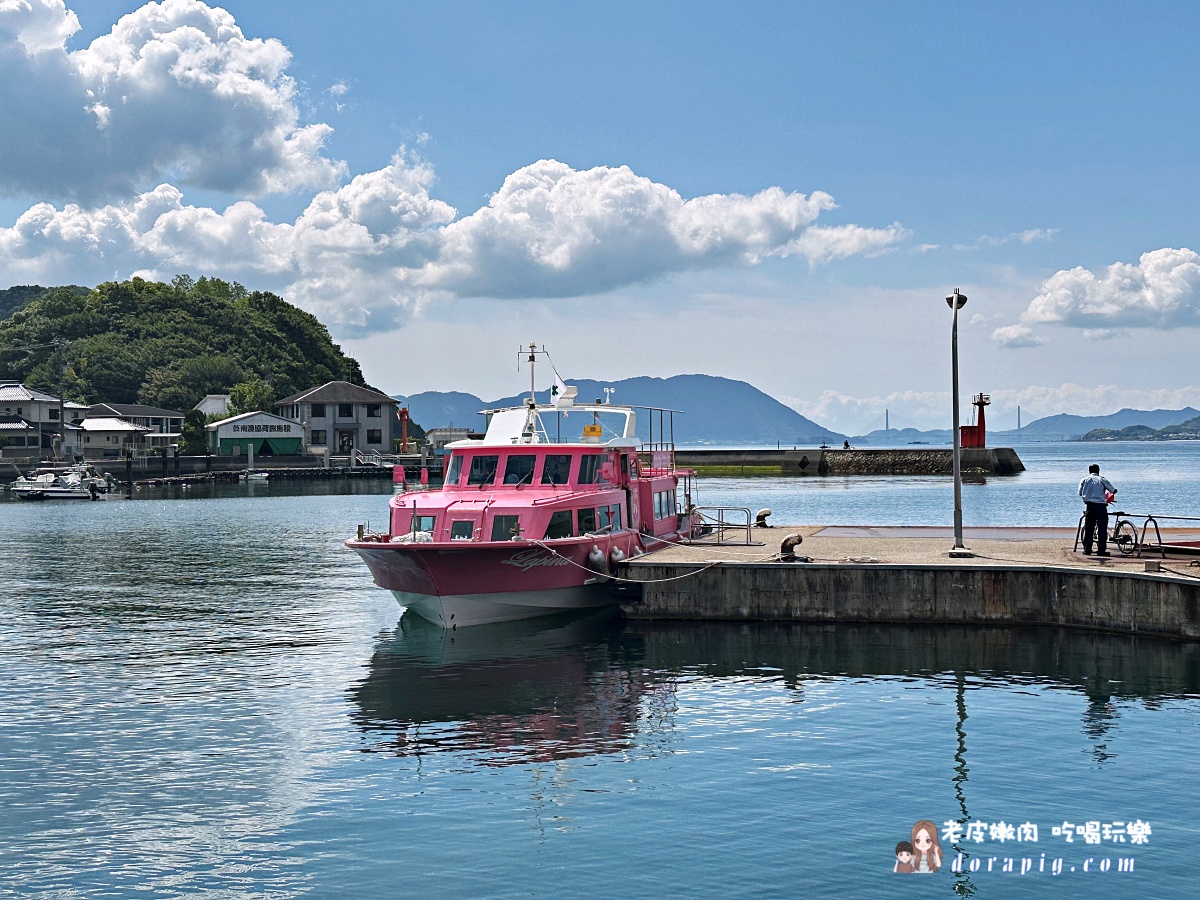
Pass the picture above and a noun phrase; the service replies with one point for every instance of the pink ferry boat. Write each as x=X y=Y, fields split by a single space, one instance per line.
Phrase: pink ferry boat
x=533 y=518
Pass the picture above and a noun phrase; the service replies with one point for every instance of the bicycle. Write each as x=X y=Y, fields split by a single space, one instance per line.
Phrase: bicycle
x=1122 y=534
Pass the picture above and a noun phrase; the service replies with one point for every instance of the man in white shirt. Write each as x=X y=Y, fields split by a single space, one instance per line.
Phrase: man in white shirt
x=1095 y=491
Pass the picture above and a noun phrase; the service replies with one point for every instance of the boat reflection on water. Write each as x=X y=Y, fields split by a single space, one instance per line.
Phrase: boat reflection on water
x=571 y=686
x=553 y=688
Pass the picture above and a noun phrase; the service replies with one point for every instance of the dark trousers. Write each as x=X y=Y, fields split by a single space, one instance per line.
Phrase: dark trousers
x=1095 y=519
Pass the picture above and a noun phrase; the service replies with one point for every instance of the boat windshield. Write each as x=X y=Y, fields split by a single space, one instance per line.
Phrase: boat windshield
x=519 y=468
x=483 y=469
x=556 y=469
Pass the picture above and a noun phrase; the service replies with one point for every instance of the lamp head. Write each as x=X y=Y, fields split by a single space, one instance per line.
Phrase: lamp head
x=956 y=300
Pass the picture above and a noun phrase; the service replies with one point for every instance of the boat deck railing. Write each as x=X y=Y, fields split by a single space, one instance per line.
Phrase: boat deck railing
x=659 y=458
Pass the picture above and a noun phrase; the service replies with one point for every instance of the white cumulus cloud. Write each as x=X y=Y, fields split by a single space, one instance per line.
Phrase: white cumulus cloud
x=1013 y=336
x=1162 y=290
x=553 y=231
x=176 y=97
x=175 y=91
x=365 y=255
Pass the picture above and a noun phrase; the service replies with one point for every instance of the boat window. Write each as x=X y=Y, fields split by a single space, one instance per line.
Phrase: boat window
x=670 y=502
x=658 y=504
x=589 y=468
x=605 y=518
x=505 y=528
x=560 y=525
x=519 y=469
x=556 y=469
x=483 y=469
x=587 y=521
x=423 y=523
x=462 y=531
x=454 y=470
x=616 y=517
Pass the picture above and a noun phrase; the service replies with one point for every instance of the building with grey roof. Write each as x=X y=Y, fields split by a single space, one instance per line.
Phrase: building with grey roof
x=339 y=417
x=43 y=415
x=108 y=437
x=152 y=418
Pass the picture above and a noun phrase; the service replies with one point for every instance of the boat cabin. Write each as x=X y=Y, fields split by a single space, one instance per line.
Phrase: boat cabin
x=518 y=483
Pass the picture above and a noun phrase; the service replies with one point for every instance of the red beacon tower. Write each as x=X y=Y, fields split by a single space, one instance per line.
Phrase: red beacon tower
x=976 y=435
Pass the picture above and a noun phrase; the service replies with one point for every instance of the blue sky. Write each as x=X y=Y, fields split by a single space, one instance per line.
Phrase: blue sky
x=781 y=193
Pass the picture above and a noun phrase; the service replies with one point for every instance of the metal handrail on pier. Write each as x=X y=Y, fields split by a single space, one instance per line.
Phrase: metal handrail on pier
x=717 y=520
x=1130 y=540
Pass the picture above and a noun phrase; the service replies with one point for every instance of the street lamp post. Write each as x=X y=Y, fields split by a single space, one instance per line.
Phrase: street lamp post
x=956 y=301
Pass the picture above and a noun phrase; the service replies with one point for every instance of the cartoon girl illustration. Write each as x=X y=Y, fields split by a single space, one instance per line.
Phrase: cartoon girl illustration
x=927 y=854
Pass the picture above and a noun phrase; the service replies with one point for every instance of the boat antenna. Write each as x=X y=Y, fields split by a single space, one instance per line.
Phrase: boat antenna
x=532 y=363
x=532 y=352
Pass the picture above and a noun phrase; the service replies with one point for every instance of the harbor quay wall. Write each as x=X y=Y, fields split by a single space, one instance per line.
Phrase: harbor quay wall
x=1102 y=665
x=819 y=461
x=218 y=468
x=1124 y=602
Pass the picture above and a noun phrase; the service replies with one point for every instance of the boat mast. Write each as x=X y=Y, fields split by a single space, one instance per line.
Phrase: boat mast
x=532 y=363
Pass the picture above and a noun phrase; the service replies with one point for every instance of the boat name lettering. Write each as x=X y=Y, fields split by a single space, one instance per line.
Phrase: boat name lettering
x=528 y=559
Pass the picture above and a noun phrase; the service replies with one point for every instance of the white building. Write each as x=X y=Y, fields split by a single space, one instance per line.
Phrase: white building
x=214 y=404
x=42 y=413
x=110 y=437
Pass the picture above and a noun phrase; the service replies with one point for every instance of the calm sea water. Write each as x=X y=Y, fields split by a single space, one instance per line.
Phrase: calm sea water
x=202 y=694
x=1150 y=478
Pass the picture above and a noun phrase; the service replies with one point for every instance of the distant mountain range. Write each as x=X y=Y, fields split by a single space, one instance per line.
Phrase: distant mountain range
x=1063 y=427
x=1068 y=427
x=725 y=412
x=714 y=410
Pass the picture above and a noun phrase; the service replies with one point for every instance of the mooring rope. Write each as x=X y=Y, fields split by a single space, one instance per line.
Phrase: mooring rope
x=618 y=577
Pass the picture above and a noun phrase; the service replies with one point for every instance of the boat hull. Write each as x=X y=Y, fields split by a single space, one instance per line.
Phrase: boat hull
x=54 y=493
x=461 y=610
x=454 y=585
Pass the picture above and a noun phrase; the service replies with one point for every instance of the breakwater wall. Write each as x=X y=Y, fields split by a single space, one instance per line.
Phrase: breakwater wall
x=310 y=473
x=825 y=461
x=1127 y=602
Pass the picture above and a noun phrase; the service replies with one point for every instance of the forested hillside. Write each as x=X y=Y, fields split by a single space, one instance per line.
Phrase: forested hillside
x=168 y=345
x=17 y=297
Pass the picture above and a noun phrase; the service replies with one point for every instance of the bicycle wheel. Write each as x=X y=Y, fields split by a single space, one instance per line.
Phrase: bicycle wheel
x=1125 y=536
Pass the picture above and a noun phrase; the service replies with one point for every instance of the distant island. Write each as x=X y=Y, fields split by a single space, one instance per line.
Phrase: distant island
x=1184 y=431
x=1130 y=423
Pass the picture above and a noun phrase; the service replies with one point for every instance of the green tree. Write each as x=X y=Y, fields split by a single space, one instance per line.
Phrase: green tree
x=251 y=395
x=183 y=385
x=192 y=436
x=167 y=344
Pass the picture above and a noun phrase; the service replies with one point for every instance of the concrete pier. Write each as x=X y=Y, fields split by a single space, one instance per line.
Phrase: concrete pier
x=1026 y=576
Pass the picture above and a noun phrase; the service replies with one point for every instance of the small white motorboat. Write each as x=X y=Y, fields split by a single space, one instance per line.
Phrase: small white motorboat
x=76 y=482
